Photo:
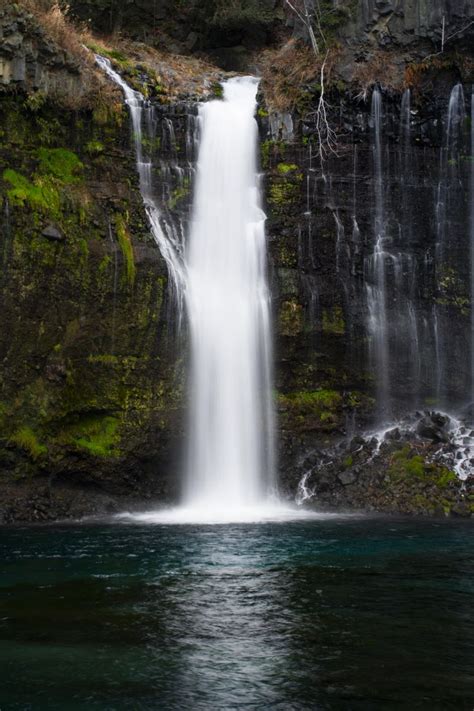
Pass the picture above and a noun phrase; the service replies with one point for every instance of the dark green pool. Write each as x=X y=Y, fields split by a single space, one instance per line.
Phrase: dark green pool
x=347 y=613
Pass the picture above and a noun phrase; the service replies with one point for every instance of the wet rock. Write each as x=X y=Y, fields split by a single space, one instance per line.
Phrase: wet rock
x=439 y=419
x=52 y=233
x=461 y=510
x=431 y=427
x=392 y=435
x=357 y=443
x=347 y=478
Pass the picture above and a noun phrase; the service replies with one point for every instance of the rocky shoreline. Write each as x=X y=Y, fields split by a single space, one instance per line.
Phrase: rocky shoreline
x=404 y=470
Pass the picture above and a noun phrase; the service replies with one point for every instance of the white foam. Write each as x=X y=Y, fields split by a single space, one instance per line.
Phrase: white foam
x=265 y=513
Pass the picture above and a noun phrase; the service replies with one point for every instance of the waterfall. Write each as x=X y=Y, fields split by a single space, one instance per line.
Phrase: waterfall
x=166 y=239
x=472 y=252
x=230 y=452
x=449 y=198
x=221 y=279
x=376 y=273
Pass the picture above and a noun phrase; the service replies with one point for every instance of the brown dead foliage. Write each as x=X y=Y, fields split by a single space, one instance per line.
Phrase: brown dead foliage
x=53 y=18
x=286 y=71
x=383 y=68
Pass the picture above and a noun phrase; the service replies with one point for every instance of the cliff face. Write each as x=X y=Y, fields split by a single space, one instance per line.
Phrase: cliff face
x=89 y=384
x=228 y=32
x=91 y=399
x=406 y=22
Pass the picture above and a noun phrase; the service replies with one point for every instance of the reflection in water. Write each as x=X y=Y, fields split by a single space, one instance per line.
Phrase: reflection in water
x=342 y=613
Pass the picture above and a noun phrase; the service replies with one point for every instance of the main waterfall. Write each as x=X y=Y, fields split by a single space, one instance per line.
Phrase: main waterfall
x=222 y=280
x=230 y=454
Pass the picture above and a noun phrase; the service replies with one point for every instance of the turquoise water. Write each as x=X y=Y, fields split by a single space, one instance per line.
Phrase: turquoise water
x=342 y=613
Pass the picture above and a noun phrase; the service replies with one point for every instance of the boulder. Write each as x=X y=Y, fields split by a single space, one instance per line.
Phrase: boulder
x=52 y=233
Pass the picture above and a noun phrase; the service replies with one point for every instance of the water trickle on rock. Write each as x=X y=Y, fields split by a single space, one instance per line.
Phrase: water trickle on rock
x=143 y=126
x=376 y=271
x=472 y=254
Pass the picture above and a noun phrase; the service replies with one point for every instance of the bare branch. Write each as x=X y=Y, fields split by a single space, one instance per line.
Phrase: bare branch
x=327 y=138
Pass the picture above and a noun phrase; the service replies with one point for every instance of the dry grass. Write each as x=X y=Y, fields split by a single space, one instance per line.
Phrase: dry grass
x=179 y=76
x=383 y=68
x=81 y=85
x=54 y=20
x=285 y=72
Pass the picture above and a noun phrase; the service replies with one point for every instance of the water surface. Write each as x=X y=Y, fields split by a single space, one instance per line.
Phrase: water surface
x=337 y=613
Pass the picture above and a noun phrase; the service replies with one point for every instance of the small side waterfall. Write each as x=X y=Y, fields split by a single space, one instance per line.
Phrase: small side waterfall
x=230 y=467
x=168 y=243
x=472 y=253
x=449 y=199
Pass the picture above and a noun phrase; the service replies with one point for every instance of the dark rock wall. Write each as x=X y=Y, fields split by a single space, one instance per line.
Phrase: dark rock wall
x=91 y=380
x=322 y=239
x=226 y=31
x=91 y=389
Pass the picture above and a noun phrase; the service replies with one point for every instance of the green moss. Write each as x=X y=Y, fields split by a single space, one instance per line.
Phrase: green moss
x=446 y=477
x=177 y=195
x=40 y=195
x=353 y=399
x=114 y=54
x=262 y=113
x=312 y=400
x=287 y=254
x=348 y=462
x=125 y=243
x=406 y=465
x=94 y=148
x=283 y=193
x=57 y=168
x=28 y=441
x=290 y=318
x=217 y=90
x=104 y=264
x=285 y=187
x=333 y=320
x=270 y=148
x=151 y=144
x=284 y=168
x=35 y=101
x=452 y=292
x=97 y=434
x=60 y=163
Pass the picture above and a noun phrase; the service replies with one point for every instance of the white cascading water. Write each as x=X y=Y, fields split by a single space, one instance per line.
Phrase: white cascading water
x=169 y=247
x=230 y=469
x=376 y=272
x=230 y=454
x=472 y=254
